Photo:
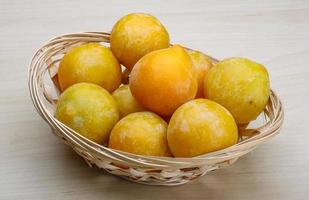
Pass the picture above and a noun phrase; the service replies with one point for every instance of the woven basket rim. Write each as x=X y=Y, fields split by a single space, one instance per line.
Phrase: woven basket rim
x=274 y=111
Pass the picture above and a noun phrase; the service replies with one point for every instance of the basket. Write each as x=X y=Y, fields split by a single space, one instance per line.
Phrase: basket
x=43 y=86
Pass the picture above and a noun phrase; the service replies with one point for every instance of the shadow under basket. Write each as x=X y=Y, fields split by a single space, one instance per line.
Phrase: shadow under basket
x=43 y=86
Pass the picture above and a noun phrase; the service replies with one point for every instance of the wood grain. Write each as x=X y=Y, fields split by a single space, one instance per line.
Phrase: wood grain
x=35 y=165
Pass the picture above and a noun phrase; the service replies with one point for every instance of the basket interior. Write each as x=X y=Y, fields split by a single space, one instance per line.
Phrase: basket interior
x=52 y=92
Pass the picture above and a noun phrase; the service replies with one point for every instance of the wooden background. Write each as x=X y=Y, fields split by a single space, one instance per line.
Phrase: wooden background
x=34 y=164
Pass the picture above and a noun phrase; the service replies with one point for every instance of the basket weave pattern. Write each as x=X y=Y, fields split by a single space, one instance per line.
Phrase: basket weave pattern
x=44 y=93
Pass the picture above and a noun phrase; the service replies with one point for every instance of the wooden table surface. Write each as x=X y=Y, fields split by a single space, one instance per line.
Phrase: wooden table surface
x=34 y=164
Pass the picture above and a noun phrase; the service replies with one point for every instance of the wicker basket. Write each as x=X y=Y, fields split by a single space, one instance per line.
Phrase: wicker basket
x=44 y=93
